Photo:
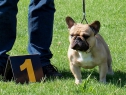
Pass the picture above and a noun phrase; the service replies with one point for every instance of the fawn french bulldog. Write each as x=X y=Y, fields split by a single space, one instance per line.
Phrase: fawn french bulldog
x=87 y=49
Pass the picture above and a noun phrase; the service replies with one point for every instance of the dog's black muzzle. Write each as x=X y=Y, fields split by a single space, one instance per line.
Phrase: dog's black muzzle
x=79 y=44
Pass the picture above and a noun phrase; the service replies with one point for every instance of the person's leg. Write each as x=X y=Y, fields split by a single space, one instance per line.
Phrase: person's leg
x=8 y=11
x=40 y=24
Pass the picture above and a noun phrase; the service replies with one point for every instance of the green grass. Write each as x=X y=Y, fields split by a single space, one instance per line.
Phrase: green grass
x=111 y=14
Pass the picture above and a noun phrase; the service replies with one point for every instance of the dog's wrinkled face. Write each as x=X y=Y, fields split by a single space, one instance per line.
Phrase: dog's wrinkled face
x=82 y=36
x=78 y=38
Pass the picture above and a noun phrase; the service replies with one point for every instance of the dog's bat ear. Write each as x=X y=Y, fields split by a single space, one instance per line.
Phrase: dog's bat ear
x=95 y=26
x=70 y=22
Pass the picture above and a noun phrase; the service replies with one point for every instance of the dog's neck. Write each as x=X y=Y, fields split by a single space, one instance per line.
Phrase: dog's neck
x=92 y=49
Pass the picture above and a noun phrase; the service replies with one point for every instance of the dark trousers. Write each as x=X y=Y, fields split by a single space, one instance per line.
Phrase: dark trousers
x=40 y=28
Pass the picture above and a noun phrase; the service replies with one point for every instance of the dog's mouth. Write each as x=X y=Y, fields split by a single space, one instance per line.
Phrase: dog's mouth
x=80 y=45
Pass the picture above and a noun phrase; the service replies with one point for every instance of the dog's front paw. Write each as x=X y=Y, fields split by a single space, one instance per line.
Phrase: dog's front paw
x=78 y=81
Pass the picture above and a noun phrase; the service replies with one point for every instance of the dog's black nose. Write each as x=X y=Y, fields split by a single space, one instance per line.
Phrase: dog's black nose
x=78 y=38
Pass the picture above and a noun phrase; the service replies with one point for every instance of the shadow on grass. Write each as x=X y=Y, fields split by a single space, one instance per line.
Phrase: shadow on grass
x=118 y=79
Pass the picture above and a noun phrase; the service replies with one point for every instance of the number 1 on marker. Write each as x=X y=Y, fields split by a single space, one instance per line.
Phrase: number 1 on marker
x=28 y=65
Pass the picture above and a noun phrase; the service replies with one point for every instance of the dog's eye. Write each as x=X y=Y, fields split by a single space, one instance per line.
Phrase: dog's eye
x=86 y=36
x=71 y=36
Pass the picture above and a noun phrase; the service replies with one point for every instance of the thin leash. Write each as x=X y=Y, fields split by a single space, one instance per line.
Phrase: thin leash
x=84 y=13
x=84 y=16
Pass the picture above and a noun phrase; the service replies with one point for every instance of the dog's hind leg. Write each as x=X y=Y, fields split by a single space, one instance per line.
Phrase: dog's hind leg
x=103 y=68
x=109 y=62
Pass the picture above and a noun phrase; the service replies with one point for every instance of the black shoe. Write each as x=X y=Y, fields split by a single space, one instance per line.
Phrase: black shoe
x=51 y=71
x=2 y=71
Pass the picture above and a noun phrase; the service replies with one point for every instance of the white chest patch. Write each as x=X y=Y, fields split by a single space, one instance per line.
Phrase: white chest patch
x=85 y=59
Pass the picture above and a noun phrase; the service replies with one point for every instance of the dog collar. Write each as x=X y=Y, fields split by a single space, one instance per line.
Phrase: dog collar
x=88 y=51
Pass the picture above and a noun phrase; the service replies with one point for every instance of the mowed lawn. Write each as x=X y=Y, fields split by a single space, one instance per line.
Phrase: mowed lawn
x=112 y=16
